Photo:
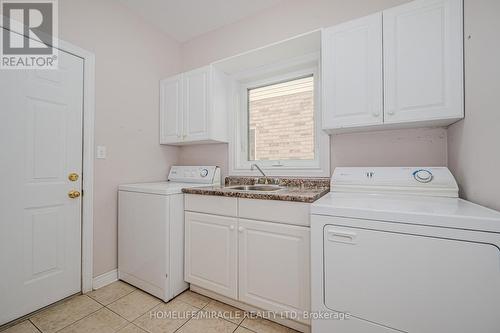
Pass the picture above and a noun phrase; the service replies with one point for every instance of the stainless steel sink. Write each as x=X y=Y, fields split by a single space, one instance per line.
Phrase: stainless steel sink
x=257 y=188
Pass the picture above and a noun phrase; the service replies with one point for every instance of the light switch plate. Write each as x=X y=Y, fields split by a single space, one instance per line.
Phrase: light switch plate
x=100 y=152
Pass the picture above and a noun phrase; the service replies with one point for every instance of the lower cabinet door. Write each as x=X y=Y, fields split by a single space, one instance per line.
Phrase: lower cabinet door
x=274 y=268
x=211 y=246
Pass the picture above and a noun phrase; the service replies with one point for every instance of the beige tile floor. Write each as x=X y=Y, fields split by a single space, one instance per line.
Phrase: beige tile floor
x=121 y=308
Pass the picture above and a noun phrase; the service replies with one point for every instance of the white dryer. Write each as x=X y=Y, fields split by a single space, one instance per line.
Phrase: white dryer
x=151 y=230
x=396 y=250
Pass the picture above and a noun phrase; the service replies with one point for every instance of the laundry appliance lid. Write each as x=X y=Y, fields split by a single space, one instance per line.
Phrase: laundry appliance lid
x=414 y=195
x=162 y=188
x=411 y=209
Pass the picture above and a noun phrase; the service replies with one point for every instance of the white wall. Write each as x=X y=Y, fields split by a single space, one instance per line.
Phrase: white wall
x=131 y=57
x=211 y=154
x=286 y=19
x=406 y=147
x=474 y=143
x=416 y=147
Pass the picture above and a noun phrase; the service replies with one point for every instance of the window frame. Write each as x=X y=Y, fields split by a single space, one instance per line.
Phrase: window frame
x=239 y=162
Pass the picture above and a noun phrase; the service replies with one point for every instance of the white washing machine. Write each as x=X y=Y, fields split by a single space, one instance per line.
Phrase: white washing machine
x=396 y=250
x=151 y=230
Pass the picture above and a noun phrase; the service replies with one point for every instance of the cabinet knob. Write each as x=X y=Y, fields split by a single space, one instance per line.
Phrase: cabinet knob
x=231 y=227
x=391 y=113
x=241 y=229
x=376 y=114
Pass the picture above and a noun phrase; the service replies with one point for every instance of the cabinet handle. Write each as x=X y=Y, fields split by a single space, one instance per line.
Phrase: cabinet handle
x=341 y=236
x=231 y=227
x=241 y=229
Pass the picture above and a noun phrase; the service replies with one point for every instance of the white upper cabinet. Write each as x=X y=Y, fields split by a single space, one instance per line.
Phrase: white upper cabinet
x=196 y=103
x=420 y=45
x=423 y=65
x=171 y=109
x=352 y=73
x=193 y=107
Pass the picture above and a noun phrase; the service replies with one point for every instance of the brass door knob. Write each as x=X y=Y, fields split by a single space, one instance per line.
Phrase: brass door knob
x=73 y=194
x=73 y=176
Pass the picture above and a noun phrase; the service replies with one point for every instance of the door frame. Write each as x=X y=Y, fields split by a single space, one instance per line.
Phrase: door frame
x=87 y=214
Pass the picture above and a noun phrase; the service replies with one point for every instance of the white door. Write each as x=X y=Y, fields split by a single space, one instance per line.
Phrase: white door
x=274 y=266
x=171 y=110
x=40 y=145
x=352 y=73
x=211 y=252
x=196 y=104
x=423 y=65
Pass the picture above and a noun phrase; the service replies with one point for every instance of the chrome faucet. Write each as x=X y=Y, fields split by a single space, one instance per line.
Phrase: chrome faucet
x=255 y=166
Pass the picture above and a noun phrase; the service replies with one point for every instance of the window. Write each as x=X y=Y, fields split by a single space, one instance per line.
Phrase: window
x=278 y=123
x=281 y=121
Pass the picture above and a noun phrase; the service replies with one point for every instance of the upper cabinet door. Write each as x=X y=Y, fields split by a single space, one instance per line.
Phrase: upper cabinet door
x=423 y=65
x=171 y=110
x=196 y=104
x=352 y=73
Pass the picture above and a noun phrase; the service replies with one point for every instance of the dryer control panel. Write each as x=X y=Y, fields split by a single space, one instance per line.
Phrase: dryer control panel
x=195 y=174
x=437 y=181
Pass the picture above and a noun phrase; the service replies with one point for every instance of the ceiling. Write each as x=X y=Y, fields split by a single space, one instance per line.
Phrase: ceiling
x=186 y=19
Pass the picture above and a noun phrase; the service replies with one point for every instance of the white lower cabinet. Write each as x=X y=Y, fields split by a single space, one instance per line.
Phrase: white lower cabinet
x=260 y=263
x=211 y=247
x=274 y=266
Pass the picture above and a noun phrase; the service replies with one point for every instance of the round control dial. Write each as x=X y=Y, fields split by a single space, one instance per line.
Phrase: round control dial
x=423 y=176
x=203 y=172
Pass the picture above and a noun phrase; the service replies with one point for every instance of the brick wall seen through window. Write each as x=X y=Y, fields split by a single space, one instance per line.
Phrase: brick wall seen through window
x=281 y=121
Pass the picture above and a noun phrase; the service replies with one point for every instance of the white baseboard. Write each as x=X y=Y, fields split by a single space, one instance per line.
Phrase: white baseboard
x=105 y=279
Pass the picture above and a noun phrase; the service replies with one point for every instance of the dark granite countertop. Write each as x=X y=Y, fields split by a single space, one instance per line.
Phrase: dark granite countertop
x=294 y=189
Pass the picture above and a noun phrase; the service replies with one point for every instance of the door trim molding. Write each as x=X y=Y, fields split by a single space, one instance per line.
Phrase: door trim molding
x=88 y=158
